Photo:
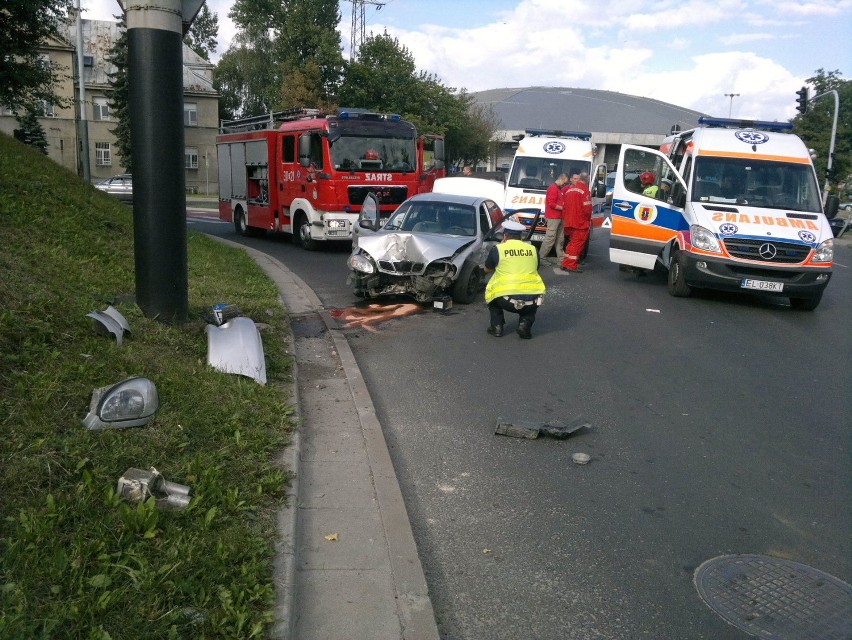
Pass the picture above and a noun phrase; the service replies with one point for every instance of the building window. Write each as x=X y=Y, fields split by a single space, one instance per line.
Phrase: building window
x=100 y=108
x=190 y=114
x=191 y=157
x=46 y=109
x=103 y=155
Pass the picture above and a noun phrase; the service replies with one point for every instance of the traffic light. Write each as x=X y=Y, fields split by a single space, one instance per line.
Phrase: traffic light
x=802 y=100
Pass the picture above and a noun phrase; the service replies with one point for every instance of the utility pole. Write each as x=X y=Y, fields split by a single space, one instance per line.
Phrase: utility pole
x=155 y=30
x=83 y=124
x=731 y=105
x=357 y=36
x=829 y=171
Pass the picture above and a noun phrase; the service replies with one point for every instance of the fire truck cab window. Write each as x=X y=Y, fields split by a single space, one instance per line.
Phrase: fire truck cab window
x=288 y=149
x=316 y=151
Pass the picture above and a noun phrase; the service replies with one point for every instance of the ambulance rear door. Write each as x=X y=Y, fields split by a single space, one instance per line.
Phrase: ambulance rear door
x=645 y=218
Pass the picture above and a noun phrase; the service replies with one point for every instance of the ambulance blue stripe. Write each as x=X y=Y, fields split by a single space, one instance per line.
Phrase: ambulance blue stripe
x=666 y=217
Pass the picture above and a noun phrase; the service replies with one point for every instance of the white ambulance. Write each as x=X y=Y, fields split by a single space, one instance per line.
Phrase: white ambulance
x=731 y=205
x=539 y=159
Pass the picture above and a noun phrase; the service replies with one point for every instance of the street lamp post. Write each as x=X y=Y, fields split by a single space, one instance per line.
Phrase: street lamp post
x=731 y=105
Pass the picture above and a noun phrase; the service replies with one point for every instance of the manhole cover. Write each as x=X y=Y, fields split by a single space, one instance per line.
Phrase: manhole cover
x=778 y=599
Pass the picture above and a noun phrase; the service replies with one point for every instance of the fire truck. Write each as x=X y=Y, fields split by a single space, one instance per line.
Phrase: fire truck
x=306 y=173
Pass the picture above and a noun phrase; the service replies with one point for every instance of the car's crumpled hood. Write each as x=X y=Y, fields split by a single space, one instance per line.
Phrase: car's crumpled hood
x=416 y=247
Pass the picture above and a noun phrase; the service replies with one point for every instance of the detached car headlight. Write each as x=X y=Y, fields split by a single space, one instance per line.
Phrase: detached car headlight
x=704 y=239
x=824 y=252
x=360 y=262
x=131 y=403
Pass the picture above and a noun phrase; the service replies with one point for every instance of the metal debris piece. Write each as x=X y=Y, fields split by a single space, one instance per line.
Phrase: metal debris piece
x=531 y=430
x=110 y=321
x=139 y=485
x=518 y=429
x=561 y=430
x=219 y=314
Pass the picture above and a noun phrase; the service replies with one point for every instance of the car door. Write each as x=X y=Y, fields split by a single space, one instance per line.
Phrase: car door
x=368 y=220
x=642 y=225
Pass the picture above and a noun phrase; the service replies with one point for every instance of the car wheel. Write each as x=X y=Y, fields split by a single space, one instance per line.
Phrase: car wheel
x=468 y=284
x=303 y=233
x=806 y=304
x=677 y=276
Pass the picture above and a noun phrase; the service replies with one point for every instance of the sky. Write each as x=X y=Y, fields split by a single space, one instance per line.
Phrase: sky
x=691 y=53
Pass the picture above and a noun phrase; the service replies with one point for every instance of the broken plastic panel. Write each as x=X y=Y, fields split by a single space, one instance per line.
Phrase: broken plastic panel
x=110 y=321
x=139 y=485
x=235 y=347
x=130 y=403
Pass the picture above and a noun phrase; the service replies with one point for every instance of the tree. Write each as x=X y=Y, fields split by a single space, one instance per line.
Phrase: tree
x=119 y=96
x=31 y=131
x=814 y=127
x=203 y=33
x=25 y=79
x=246 y=80
x=309 y=42
x=286 y=50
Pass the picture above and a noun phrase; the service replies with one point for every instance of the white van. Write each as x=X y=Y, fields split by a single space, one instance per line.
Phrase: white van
x=743 y=212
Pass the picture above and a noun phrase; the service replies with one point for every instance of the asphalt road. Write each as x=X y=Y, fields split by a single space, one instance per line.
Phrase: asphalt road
x=720 y=425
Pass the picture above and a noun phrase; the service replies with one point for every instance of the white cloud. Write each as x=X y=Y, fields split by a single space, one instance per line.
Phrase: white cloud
x=687 y=52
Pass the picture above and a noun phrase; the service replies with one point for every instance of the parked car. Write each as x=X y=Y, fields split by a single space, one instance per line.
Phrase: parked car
x=434 y=244
x=120 y=186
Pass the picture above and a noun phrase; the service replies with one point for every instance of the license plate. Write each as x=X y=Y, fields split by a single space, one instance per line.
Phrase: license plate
x=762 y=285
x=537 y=237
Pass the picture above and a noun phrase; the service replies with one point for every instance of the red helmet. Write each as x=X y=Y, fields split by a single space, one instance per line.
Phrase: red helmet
x=371 y=154
x=647 y=178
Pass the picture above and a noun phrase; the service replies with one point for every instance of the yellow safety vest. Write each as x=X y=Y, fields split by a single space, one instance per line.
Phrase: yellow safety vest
x=516 y=272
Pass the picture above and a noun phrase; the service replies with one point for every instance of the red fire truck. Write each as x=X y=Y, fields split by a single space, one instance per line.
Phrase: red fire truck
x=306 y=173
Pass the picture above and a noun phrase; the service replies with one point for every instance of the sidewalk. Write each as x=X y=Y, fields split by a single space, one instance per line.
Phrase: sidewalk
x=347 y=565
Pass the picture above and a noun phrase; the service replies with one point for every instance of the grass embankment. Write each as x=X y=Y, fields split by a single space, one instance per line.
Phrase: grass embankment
x=76 y=561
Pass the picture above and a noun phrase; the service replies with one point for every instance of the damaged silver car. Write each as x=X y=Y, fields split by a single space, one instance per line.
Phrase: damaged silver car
x=434 y=244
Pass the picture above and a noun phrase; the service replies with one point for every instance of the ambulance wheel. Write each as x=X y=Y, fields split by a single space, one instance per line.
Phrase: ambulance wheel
x=806 y=304
x=468 y=283
x=303 y=234
x=677 y=276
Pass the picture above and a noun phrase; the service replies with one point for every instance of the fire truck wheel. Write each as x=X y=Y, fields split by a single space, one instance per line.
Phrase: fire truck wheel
x=303 y=233
x=677 y=276
x=241 y=222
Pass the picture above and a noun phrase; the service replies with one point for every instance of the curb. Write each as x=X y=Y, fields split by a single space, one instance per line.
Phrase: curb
x=412 y=602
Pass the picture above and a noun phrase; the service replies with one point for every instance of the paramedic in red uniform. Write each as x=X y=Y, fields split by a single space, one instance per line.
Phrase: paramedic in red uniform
x=577 y=216
x=553 y=217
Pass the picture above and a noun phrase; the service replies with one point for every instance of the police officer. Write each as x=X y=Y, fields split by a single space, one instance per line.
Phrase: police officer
x=515 y=286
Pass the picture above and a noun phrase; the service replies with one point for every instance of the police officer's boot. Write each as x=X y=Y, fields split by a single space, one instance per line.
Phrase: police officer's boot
x=525 y=328
x=496 y=330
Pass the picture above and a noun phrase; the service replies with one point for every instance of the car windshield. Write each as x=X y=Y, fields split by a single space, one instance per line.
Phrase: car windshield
x=759 y=183
x=539 y=173
x=362 y=153
x=445 y=218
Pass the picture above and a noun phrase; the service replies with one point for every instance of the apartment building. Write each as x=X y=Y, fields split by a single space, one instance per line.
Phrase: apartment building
x=200 y=108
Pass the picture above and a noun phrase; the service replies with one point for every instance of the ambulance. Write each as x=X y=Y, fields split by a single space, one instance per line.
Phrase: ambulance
x=539 y=159
x=731 y=205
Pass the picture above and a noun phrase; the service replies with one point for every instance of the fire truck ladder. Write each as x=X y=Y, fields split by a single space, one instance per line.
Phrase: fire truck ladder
x=267 y=121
